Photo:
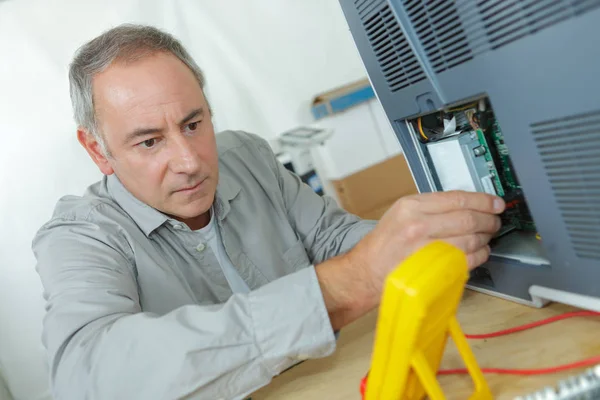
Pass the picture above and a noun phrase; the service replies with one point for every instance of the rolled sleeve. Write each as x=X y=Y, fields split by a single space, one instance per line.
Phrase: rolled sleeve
x=295 y=330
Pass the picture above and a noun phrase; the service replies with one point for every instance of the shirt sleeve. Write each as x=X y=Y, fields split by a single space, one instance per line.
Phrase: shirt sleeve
x=325 y=229
x=101 y=345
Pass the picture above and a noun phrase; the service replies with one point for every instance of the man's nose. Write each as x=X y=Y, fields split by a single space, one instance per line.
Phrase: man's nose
x=184 y=158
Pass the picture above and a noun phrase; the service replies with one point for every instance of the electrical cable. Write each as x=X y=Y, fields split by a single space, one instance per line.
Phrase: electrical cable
x=523 y=372
x=534 y=324
x=420 y=125
x=471 y=118
x=465 y=107
x=527 y=372
x=535 y=371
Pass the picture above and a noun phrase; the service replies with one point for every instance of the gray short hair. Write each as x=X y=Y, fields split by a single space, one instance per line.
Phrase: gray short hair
x=126 y=43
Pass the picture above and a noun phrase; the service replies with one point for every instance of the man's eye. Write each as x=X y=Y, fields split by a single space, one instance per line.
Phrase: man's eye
x=148 y=143
x=192 y=127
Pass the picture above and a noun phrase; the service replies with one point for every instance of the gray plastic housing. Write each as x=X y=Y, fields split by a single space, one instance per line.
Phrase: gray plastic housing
x=538 y=61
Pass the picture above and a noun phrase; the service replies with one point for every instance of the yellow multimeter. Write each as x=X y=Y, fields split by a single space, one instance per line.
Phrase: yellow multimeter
x=416 y=316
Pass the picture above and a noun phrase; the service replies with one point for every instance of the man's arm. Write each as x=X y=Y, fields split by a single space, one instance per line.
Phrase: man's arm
x=102 y=346
x=325 y=229
x=355 y=256
x=352 y=283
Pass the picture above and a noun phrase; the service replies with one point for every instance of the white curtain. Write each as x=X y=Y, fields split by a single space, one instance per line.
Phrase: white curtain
x=264 y=61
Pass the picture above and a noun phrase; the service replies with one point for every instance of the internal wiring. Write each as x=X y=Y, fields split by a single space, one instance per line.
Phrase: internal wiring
x=465 y=107
x=470 y=114
x=420 y=125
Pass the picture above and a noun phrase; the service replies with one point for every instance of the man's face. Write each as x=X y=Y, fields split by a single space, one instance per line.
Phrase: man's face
x=157 y=127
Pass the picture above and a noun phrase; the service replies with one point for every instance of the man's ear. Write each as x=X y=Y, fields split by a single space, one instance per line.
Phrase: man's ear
x=91 y=145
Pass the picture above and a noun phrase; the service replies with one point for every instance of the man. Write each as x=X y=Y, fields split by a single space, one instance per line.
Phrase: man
x=199 y=267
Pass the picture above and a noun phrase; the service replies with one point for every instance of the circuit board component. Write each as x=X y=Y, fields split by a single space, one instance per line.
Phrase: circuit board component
x=466 y=147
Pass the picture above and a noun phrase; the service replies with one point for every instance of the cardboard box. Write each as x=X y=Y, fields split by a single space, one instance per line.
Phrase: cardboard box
x=362 y=137
x=342 y=98
x=370 y=192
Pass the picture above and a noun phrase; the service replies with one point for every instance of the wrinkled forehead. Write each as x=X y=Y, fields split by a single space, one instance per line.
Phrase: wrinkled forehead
x=145 y=89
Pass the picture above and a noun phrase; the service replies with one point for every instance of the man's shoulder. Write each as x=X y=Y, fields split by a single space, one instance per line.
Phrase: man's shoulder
x=83 y=222
x=235 y=141
x=94 y=205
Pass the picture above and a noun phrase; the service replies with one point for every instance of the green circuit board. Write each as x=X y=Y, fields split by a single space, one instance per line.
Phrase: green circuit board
x=502 y=171
x=491 y=165
x=519 y=217
x=507 y=171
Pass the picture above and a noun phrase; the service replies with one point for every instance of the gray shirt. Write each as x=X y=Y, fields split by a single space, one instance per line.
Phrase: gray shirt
x=135 y=311
x=210 y=235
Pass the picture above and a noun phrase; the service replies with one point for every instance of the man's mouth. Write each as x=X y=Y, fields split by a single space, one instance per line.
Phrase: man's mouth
x=189 y=189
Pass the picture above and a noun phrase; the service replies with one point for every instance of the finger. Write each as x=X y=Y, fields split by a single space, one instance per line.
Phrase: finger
x=460 y=223
x=470 y=243
x=478 y=257
x=443 y=202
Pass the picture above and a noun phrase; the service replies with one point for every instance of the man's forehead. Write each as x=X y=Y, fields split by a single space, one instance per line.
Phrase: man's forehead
x=146 y=87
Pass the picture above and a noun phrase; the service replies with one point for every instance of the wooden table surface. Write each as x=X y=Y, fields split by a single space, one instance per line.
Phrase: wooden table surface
x=338 y=376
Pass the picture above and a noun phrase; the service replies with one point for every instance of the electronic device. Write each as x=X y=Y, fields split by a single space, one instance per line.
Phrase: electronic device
x=584 y=386
x=416 y=318
x=296 y=145
x=500 y=96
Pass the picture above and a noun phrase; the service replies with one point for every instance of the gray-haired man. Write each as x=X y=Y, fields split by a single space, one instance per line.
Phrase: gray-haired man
x=199 y=267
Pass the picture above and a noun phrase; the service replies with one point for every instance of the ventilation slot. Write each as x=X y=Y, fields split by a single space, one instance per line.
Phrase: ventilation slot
x=505 y=21
x=439 y=27
x=364 y=7
x=396 y=59
x=570 y=151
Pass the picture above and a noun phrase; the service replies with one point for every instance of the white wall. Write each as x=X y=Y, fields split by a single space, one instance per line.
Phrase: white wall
x=264 y=61
x=4 y=393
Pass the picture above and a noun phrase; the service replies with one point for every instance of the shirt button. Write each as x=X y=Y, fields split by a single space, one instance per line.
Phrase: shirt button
x=178 y=226
x=200 y=248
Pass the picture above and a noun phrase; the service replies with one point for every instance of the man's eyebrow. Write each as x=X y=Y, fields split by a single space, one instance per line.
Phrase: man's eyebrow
x=196 y=113
x=141 y=132
x=149 y=131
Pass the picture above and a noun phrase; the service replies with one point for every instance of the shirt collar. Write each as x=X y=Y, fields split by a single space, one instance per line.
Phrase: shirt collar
x=227 y=190
x=148 y=218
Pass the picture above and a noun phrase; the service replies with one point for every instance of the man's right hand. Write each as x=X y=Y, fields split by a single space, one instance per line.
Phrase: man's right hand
x=464 y=219
x=354 y=281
